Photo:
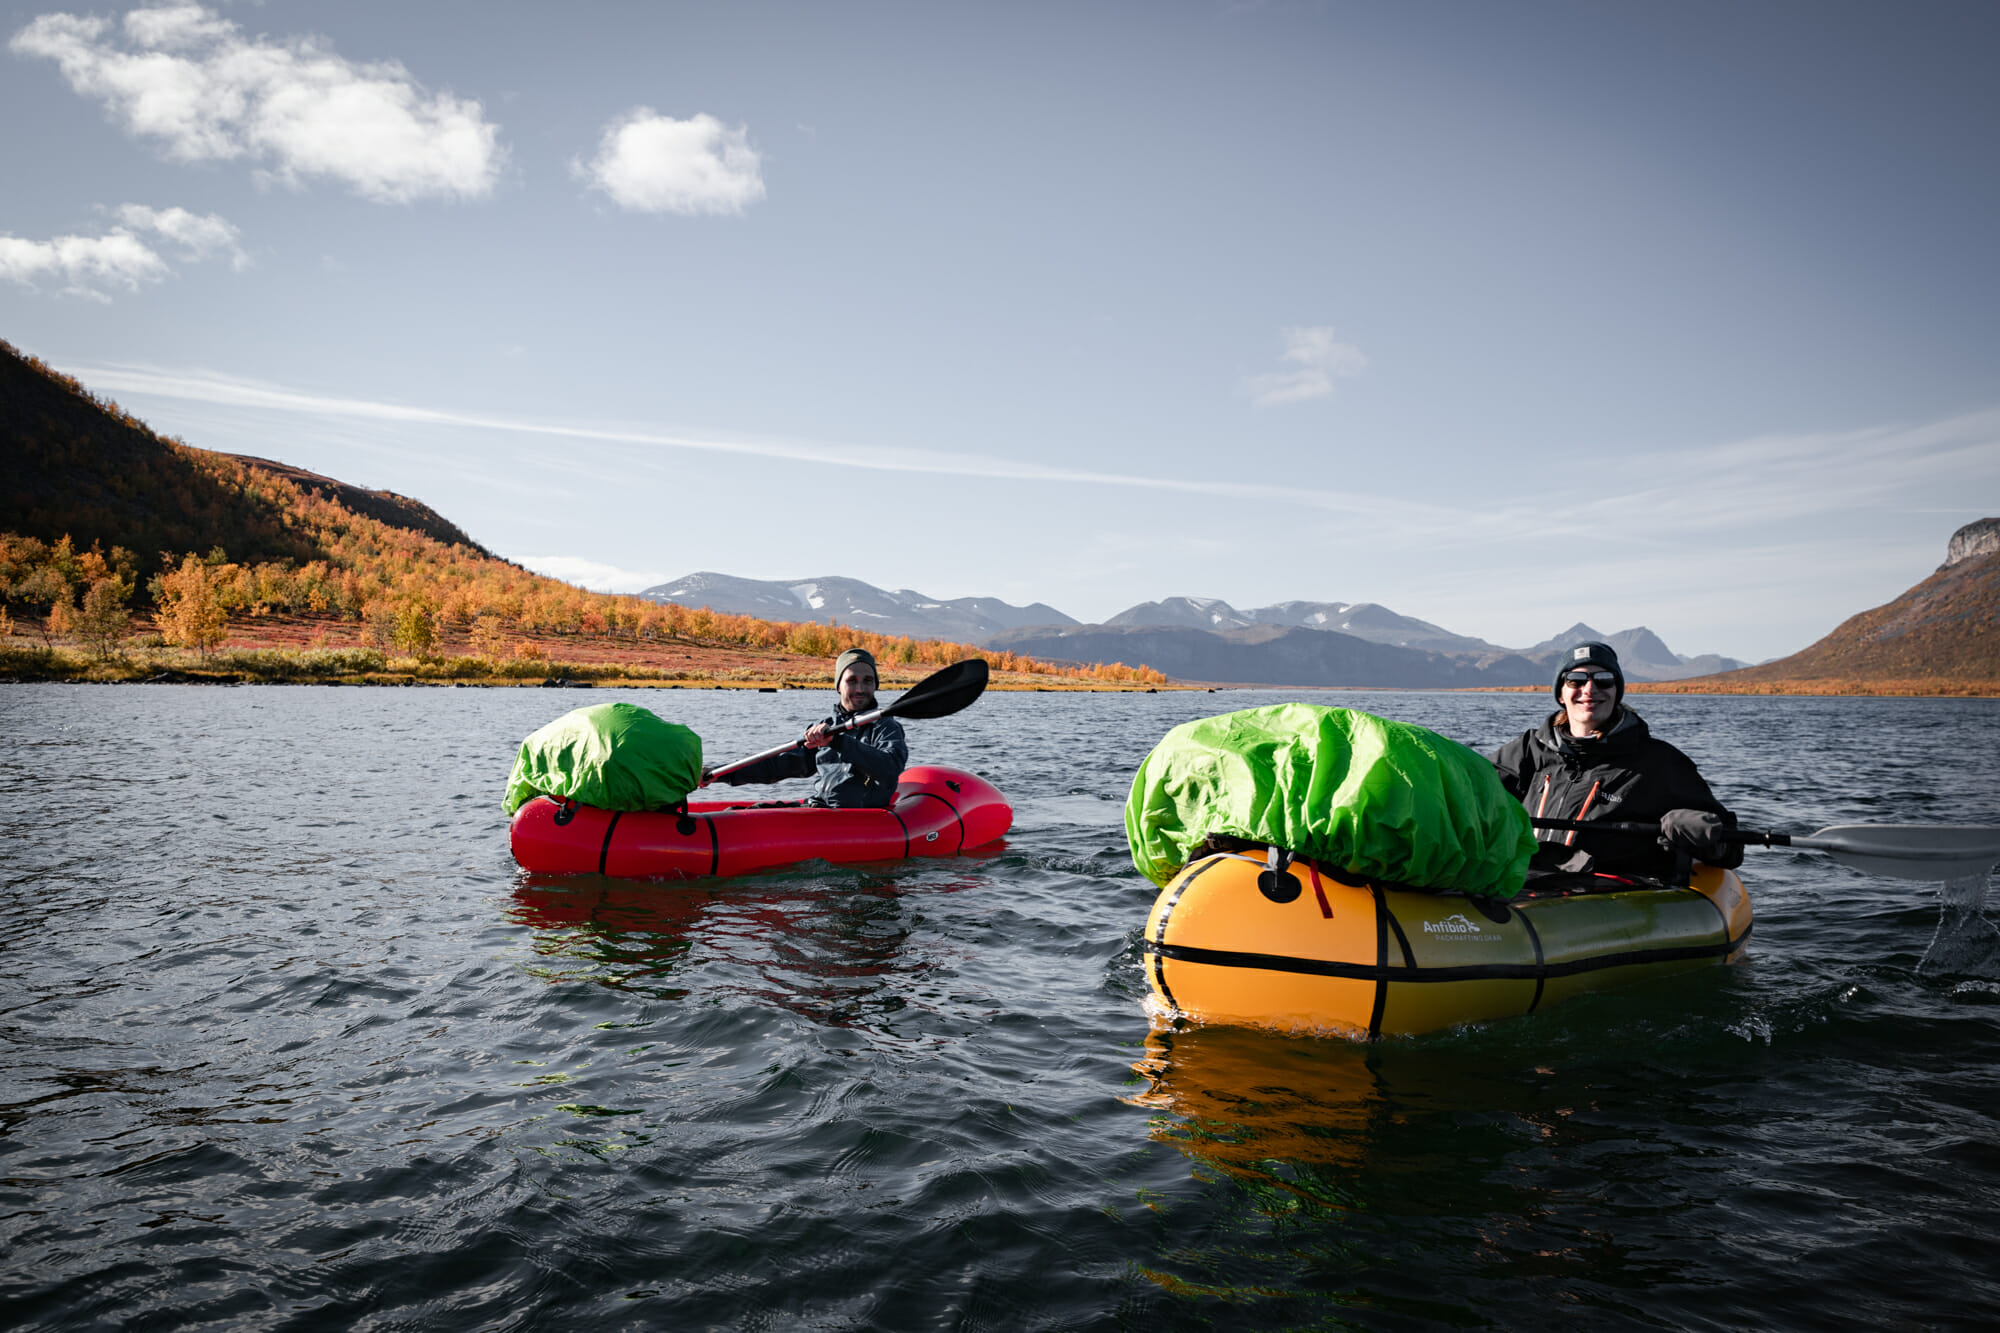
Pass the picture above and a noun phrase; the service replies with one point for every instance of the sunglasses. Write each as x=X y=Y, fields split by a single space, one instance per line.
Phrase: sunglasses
x=1604 y=680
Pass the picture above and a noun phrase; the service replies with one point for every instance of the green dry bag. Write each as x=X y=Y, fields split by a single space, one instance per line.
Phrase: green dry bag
x=1380 y=799
x=613 y=756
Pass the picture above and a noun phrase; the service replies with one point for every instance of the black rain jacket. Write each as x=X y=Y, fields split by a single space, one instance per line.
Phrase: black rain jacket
x=1625 y=774
x=858 y=770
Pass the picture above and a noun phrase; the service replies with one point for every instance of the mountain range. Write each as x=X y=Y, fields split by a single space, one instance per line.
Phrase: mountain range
x=1193 y=638
x=851 y=602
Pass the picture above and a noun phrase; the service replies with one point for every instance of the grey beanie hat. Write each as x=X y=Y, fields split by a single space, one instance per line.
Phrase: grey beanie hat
x=1590 y=654
x=850 y=657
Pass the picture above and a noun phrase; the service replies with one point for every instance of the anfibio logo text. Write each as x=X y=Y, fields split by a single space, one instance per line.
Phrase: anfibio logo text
x=1456 y=924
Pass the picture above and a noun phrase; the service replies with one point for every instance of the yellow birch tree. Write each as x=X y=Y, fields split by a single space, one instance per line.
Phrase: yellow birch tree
x=190 y=613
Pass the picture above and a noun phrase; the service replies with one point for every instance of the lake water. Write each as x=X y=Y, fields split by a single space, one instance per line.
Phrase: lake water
x=291 y=1043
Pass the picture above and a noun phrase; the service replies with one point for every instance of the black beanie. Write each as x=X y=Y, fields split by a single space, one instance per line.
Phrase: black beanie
x=1588 y=655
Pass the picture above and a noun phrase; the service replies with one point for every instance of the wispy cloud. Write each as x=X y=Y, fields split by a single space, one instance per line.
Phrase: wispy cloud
x=1768 y=480
x=651 y=163
x=202 y=387
x=197 y=235
x=592 y=574
x=186 y=78
x=1314 y=358
x=1649 y=508
x=121 y=256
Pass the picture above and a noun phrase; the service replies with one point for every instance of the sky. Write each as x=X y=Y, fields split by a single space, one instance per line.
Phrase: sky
x=1502 y=315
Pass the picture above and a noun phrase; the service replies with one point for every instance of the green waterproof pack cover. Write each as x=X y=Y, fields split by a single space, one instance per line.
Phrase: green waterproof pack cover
x=1381 y=799
x=613 y=756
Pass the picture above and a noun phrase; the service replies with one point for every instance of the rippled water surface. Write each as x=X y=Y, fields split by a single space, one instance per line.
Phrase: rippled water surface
x=290 y=1042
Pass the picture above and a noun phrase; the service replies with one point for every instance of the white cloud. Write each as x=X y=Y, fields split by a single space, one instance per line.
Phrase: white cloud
x=1314 y=360
x=86 y=264
x=652 y=163
x=197 y=235
x=592 y=574
x=183 y=76
x=120 y=257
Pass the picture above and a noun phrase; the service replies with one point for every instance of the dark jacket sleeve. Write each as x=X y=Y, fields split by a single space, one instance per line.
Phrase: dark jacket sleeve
x=790 y=764
x=879 y=751
x=1513 y=763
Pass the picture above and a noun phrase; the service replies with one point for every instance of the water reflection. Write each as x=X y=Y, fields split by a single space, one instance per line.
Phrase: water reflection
x=830 y=953
x=1236 y=1099
x=1330 y=1164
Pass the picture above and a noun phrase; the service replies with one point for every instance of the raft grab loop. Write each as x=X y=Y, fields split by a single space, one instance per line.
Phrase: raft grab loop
x=1276 y=882
x=565 y=811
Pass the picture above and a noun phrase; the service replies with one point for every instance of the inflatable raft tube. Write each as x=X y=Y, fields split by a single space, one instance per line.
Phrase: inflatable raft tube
x=937 y=812
x=1318 y=955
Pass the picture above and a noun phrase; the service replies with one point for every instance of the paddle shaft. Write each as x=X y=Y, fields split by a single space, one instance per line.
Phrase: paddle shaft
x=1901 y=851
x=1748 y=836
x=858 y=720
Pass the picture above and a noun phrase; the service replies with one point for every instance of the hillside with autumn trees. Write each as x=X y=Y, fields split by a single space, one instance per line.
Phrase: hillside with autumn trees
x=106 y=527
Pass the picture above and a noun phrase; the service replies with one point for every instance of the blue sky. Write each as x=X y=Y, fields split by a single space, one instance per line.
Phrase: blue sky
x=1502 y=315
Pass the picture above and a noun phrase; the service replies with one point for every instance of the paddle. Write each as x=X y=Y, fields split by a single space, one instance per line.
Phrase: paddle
x=1900 y=851
x=939 y=694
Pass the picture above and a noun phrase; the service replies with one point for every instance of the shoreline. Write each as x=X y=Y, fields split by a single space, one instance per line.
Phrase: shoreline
x=280 y=659
x=156 y=674
x=317 y=650
x=459 y=674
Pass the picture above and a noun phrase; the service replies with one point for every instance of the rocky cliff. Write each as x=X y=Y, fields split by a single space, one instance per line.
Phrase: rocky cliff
x=1979 y=537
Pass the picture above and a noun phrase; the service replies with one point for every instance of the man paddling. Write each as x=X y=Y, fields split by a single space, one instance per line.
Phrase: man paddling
x=854 y=769
x=1594 y=759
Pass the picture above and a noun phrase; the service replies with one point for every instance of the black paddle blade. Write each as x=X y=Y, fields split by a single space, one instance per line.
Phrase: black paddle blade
x=941 y=693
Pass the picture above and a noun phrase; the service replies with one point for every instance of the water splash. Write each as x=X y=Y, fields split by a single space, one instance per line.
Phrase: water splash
x=1967 y=944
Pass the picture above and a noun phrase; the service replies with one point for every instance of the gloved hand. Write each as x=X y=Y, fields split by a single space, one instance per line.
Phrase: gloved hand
x=707 y=775
x=1702 y=834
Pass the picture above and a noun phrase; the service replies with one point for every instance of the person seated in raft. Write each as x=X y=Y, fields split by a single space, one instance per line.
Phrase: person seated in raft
x=1594 y=758
x=855 y=769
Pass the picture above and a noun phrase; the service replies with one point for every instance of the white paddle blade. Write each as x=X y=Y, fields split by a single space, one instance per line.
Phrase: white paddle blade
x=1910 y=851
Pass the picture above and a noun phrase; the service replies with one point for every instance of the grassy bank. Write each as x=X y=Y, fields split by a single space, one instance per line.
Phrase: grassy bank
x=1917 y=689
x=1920 y=688
x=156 y=664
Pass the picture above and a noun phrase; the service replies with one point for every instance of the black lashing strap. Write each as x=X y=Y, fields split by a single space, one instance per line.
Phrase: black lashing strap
x=1381 y=962
x=1541 y=962
x=1158 y=946
x=918 y=795
x=604 y=853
